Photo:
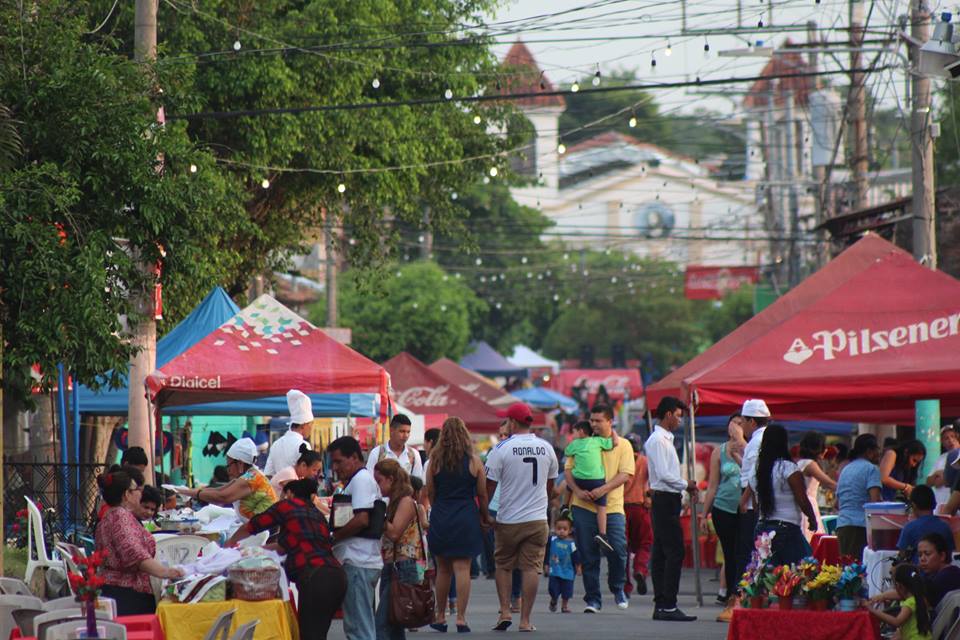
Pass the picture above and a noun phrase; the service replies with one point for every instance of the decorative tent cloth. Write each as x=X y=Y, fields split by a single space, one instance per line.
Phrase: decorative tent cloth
x=529 y=359
x=543 y=398
x=472 y=382
x=861 y=340
x=484 y=359
x=423 y=390
x=618 y=383
x=262 y=351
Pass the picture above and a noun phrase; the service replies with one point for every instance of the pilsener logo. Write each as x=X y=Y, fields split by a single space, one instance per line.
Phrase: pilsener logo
x=852 y=342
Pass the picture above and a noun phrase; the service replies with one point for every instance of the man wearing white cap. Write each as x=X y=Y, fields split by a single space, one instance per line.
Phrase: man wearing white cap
x=756 y=415
x=286 y=450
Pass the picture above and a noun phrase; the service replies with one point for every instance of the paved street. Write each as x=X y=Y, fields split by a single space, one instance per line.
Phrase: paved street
x=610 y=624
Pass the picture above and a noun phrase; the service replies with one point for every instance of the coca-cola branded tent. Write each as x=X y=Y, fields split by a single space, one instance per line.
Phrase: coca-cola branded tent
x=472 y=382
x=619 y=383
x=420 y=389
x=862 y=340
x=265 y=350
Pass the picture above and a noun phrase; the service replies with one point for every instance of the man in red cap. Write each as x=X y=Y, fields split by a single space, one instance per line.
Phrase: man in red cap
x=524 y=468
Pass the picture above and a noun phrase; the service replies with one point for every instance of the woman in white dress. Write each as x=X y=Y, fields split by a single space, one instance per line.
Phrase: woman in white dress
x=812 y=446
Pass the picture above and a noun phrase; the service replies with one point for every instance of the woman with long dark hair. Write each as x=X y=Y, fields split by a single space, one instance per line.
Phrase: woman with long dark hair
x=899 y=468
x=812 y=446
x=782 y=496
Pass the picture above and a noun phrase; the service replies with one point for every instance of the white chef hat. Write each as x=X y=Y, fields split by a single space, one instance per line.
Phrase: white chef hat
x=243 y=450
x=301 y=409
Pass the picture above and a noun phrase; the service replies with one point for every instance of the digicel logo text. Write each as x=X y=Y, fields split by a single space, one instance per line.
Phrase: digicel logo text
x=186 y=382
x=861 y=342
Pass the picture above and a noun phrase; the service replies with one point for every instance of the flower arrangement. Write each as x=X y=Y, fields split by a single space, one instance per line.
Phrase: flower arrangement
x=788 y=581
x=759 y=578
x=87 y=583
x=850 y=583
x=822 y=585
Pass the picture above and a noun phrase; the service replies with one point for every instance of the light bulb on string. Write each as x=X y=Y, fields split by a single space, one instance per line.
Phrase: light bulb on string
x=498 y=305
x=483 y=278
x=193 y=168
x=632 y=122
x=653 y=60
x=561 y=148
x=596 y=77
x=539 y=276
x=760 y=23
x=478 y=261
x=341 y=188
x=265 y=183
x=575 y=87
x=669 y=50
x=443 y=307
x=416 y=305
x=454 y=195
x=493 y=172
x=706 y=49
x=529 y=275
x=375 y=83
x=477 y=119
x=448 y=94
x=523 y=260
x=566 y=256
x=556 y=297
x=236 y=45
x=486 y=179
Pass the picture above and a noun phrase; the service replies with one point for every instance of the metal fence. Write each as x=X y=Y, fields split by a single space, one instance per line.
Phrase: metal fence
x=69 y=490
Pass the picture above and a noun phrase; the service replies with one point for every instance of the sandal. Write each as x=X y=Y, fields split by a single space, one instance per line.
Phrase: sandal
x=502 y=625
x=529 y=629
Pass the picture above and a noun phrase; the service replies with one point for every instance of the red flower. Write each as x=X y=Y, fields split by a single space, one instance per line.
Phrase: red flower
x=16 y=527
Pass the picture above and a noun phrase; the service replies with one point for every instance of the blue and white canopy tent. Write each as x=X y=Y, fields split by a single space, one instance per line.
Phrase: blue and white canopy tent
x=546 y=399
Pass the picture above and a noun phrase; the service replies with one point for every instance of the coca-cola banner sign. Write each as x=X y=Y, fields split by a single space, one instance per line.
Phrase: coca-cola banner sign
x=713 y=283
x=618 y=383
x=426 y=397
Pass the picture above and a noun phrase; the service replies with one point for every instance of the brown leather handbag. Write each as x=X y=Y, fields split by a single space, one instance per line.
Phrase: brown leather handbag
x=411 y=605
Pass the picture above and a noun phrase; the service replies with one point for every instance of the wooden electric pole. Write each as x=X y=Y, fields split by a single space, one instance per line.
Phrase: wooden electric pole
x=858 y=107
x=924 y=206
x=331 y=267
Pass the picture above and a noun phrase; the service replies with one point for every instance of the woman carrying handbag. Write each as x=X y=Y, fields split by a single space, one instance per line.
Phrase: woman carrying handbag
x=406 y=598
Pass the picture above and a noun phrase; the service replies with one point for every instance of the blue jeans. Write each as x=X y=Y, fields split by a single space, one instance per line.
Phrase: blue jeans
x=358 y=615
x=407 y=574
x=560 y=588
x=789 y=546
x=584 y=530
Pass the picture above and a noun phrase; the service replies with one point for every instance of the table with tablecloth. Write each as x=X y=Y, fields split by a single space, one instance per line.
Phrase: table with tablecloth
x=146 y=627
x=764 y=624
x=192 y=621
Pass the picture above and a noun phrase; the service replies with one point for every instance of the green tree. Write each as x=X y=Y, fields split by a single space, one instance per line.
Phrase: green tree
x=97 y=187
x=723 y=316
x=588 y=114
x=417 y=308
x=296 y=53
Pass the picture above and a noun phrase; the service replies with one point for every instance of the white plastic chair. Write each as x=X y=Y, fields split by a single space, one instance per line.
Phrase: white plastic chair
x=64 y=614
x=9 y=604
x=107 y=605
x=245 y=631
x=72 y=629
x=36 y=545
x=220 y=629
x=180 y=549
x=14 y=587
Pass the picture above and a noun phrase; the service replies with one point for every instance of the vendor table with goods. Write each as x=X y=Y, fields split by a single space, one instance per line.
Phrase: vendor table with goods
x=145 y=627
x=763 y=624
x=192 y=621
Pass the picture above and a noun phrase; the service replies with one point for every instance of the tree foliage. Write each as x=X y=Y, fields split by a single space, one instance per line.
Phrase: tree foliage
x=97 y=188
x=418 y=308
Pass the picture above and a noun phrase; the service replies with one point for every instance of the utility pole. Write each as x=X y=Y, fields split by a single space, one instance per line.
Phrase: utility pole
x=426 y=245
x=858 y=107
x=144 y=340
x=924 y=206
x=793 y=205
x=331 y=268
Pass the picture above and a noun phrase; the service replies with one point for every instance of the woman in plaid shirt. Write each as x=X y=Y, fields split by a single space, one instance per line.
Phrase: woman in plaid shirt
x=305 y=539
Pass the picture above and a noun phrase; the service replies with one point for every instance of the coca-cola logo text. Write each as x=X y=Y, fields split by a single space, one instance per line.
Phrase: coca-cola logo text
x=425 y=397
x=613 y=383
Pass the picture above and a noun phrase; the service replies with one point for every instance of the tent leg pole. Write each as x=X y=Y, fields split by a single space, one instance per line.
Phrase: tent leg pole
x=694 y=505
x=151 y=469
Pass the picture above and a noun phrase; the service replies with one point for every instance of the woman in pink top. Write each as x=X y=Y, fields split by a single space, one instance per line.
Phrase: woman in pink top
x=309 y=465
x=129 y=548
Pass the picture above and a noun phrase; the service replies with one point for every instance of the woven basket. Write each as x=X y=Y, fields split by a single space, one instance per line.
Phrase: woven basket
x=259 y=583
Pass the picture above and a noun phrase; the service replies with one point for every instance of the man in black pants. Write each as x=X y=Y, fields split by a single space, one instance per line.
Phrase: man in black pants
x=667 y=486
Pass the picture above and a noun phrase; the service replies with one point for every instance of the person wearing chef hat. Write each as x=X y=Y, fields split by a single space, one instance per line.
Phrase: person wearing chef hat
x=249 y=491
x=286 y=450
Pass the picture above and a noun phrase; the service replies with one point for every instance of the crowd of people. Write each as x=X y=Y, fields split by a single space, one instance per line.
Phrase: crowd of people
x=528 y=508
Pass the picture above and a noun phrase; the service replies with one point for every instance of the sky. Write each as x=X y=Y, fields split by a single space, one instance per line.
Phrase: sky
x=644 y=28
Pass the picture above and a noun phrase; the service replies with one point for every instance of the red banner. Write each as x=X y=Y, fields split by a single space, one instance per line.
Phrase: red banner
x=712 y=283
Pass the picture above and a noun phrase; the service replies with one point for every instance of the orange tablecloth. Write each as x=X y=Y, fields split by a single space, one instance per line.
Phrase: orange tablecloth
x=764 y=624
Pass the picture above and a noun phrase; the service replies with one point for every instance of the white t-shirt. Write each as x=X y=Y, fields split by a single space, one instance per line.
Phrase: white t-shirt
x=284 y=452
x=521 y=465
x=416 y=469
x=784 y=505
x=360 y=552
x=748 y=466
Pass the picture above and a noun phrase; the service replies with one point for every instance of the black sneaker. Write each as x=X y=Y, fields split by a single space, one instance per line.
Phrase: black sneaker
x=721 y=600
x=602 y=542
x=553 y=606
x=672 y=616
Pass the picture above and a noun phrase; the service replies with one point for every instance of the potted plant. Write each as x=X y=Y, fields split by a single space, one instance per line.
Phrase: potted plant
x=820 y=589
x=850 y=585
x=87 y=585
x=788 y=583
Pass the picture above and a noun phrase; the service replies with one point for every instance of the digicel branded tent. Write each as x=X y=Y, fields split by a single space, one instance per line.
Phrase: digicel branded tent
x=425 y=391
x=265 y=350
x=866 y=348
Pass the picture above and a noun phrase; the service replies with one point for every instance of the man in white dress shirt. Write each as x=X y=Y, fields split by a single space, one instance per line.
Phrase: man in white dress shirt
x=756 y=415
x=667 y=486
x=397 y=449
x=286 y=450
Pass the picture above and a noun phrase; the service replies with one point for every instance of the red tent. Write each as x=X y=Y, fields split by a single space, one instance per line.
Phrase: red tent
x=472 y=382
x=423 y=390
x=873 y=341
x=618 y=382
x=265 y=350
